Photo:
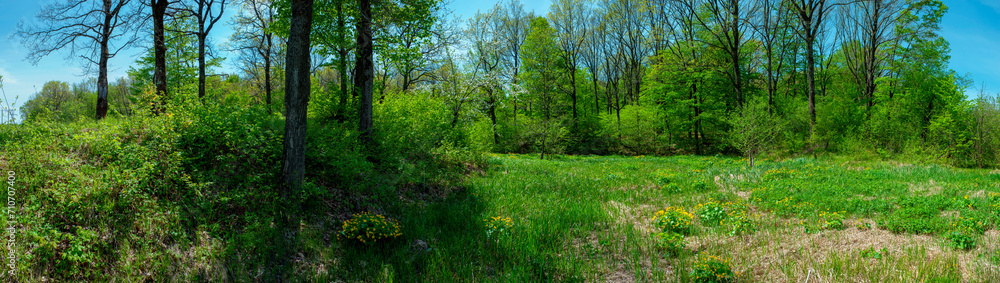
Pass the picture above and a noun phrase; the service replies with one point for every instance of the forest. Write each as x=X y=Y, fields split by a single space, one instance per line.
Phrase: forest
x=600 y=140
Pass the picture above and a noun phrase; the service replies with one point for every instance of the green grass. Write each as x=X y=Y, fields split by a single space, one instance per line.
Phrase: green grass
x=590 y=218
x=141 y=200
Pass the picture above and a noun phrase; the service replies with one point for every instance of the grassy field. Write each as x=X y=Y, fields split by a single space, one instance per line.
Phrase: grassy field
x=578 y=218
x=137 y=203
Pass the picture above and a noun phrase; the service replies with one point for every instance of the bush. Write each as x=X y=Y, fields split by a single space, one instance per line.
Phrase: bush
x=669 y=241
x=711 y=213
x=673 y=219
x=368 y=228
x=713 y=269
x=739 y=223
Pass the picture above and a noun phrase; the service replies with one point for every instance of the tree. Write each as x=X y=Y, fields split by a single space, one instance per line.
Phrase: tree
x=206 y=19
x=754 y=129
x=541 y=60
x=255 y=41
x=406 y=37
x=90 y=27
x=811 y=15
x=159 y=11
x=772 y=27
x=567 y=18
x=591 y=53
x=482 y=34
x=866 y=30
x=515 y=30
x=364 y=69
x=725 y=22
x=181 y=59
x=297 y=86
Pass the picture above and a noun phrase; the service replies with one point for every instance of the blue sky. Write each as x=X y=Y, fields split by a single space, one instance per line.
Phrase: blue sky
x=971 y=26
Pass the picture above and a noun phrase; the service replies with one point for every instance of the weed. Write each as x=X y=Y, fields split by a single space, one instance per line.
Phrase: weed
x=669 y=242
x=711 y=213
x=368 y=228
x=870 y=252
x=713 y=269
x=673 y=219
x=498 y=226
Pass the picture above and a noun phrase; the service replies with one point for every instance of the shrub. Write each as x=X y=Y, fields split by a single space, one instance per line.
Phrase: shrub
x=368 y=228
x=669 y=241
x=739 y=223
x=713 y=269
x=961 y=240
x=673 y=219
x=964 y=231
x=711 y=213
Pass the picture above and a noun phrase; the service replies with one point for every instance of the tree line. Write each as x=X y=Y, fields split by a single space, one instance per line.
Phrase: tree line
x=588 y=76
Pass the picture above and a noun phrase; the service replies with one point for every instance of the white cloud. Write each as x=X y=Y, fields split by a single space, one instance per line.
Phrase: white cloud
x=7 y=78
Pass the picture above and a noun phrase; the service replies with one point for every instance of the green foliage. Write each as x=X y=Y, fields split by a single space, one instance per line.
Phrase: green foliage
x=369 y=228
x=669 y=242
x=870 y=252
x=673 y=219
x=961 y=240
x=713 y=269
x=712 y=213
x=754 y=130
x=739 y=222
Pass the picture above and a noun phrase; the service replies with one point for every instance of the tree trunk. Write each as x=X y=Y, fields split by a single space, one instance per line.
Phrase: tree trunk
x=102 y=65
x=296 y=94
x=811 y=78
x=160 y=54
x=364 y=68
x=572 y=80
x=102 y=83
x=267 y=68
x=493 y=118
x=597 y=99
x=342 y=66
x=201 y=64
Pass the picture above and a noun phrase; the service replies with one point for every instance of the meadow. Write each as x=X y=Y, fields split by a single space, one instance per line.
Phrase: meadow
x=622 y=219
x=142 y=201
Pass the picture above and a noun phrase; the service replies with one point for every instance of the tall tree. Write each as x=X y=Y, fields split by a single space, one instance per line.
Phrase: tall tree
x=515 y=29
x=92 y=28
x=254 y=38
x=725 y=21
x=811 y=15
x=296 y=93
x=204 y=13
x=159 y=12
x=866 y=31
x=482 y=34
x=364 y=68
x=772 y=28
x=542 y=59
x=591 y=53
x=568 y=18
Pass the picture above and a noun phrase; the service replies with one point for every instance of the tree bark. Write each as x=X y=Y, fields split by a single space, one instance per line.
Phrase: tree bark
x=201 y=64
x=102 y=65
x=365 y=73
x=342 y=67
x=297 y=86
x=810 y=77
x=159 y=8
